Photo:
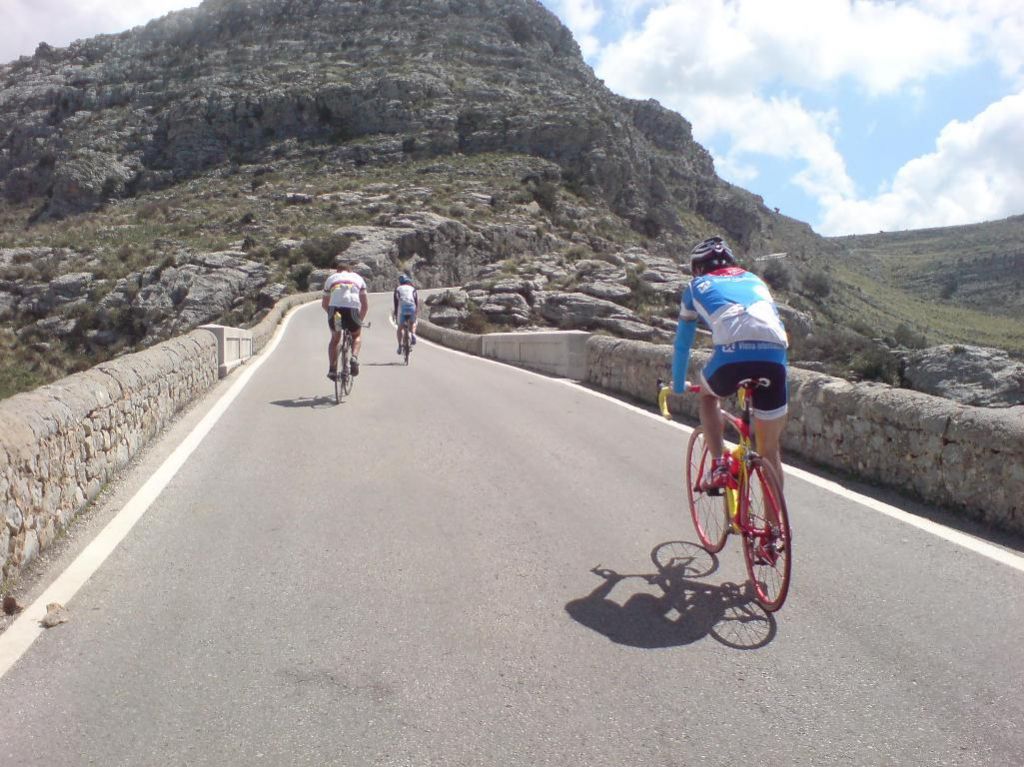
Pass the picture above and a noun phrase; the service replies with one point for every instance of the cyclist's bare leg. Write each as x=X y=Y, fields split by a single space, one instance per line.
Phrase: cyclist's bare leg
x=357 y=341
x=769 y=436
x=711 y=420
x=333 y=347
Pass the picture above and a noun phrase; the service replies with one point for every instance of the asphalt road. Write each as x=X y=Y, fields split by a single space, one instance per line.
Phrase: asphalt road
x=451 y=568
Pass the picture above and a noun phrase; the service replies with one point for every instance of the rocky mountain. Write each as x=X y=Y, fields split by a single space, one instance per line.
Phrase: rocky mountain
x=118 y=115
x=434 y=135
x=197 y=168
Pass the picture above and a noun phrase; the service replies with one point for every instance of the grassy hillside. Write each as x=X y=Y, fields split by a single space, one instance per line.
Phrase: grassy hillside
x=882 y=304
x=960 y=274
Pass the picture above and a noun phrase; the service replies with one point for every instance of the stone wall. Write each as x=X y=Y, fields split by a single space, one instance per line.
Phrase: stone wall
x=60 y=443
x=960 y=457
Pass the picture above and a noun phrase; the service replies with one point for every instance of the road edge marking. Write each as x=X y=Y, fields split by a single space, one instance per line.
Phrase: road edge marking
x=978 y=546
x=20 y=635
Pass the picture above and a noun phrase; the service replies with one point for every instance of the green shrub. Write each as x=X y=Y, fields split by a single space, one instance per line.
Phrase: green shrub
x=904 y=335
x=777 y=275
x=299 y=274
x=876 y=364
x=475 y=322
x=817 y=284
x=545 y=194
x=577 y=251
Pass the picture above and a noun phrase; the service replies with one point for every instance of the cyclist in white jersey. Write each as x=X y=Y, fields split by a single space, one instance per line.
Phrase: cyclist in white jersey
x=345 y=293
x=749 y=342
x=407 y=304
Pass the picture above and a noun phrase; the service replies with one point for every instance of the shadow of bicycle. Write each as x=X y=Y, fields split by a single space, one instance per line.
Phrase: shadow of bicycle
x=673 y=606
x=313 y=402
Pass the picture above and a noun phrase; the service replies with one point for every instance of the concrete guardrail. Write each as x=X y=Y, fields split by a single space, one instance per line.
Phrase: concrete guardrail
x=560 y=352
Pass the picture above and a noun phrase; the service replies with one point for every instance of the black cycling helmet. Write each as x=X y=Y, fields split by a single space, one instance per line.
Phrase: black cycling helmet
x=710 y=254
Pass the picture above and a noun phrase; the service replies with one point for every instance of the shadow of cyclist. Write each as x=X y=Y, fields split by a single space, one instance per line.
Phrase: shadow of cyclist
x=313 y=402
x=672 y=607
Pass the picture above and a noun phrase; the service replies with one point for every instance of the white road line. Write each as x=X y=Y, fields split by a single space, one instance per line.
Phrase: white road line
x=978 y=546
x=23 y=632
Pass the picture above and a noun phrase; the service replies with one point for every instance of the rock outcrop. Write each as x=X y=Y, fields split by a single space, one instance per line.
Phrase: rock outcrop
x=971 y=375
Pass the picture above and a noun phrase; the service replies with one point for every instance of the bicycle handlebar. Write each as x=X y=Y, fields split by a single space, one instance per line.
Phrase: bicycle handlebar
x=664 y=390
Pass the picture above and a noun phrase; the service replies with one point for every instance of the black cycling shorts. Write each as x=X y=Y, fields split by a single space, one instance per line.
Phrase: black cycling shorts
x=770 y=401
x=349 y=319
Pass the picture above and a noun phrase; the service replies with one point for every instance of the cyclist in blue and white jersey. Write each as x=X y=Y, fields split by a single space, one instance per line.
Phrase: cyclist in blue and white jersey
x=749 y=342
x=345 y=292
x=407 y=304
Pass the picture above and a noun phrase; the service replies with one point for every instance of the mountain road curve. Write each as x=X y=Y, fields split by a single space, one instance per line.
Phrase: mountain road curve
x=465 y=563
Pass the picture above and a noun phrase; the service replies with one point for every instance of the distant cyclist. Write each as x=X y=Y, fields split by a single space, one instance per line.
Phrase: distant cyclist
x=344 y=292
x=749 y=342
x=407 y=304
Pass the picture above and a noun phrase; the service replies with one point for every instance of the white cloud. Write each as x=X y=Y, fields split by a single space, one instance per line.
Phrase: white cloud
x=582 y=17
x=776 y=127
x=27 y=23
x=997 y=27
x=736 y=45
x=976 y=173
x=717 y=61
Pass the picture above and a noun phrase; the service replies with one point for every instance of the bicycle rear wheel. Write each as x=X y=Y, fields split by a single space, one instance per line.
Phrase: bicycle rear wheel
x=710 y=512
x=767 y=542
x=346 y=364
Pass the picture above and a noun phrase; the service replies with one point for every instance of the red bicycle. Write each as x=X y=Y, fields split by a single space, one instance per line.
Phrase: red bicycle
x=751 y=504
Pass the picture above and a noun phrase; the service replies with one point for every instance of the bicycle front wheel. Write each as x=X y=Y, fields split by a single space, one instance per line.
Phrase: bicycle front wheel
x=710 y=512
x=767 y=541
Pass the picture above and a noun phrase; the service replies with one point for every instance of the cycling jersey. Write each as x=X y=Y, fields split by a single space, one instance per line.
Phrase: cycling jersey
x=739 y=310
x=735 y=305
x=406 y=295
x=407 y=301
x=344 y=289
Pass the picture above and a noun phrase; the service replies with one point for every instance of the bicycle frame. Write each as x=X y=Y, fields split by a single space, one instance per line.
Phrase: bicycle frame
x=742 y=454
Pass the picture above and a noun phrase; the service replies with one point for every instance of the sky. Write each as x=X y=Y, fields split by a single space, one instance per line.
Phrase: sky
x=855 y=116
